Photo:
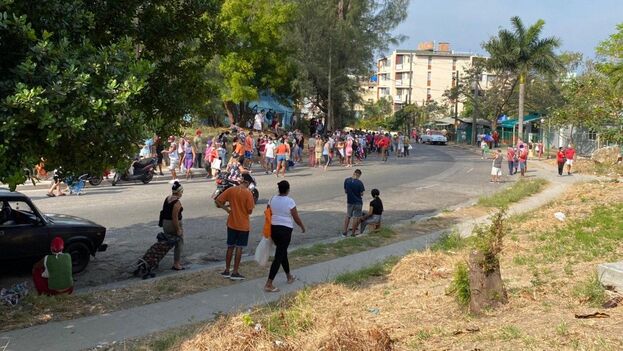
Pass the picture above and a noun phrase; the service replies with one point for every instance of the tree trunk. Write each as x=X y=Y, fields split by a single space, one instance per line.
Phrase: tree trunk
x=231 y=113
x=522 y=93
x=485 y=284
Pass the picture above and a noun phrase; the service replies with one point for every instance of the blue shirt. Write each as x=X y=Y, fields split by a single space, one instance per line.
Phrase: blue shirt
x=354 y=189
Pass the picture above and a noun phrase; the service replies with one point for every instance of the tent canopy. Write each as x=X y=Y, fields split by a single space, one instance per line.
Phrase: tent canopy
x=510 y=123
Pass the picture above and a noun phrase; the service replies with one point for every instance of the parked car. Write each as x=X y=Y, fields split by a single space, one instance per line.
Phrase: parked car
x=434 y=137
x=26 y=233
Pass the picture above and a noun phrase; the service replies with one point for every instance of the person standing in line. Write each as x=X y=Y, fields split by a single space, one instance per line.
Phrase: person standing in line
x=172 y=223
x=400 y=147
x=199 y=144
x=560 y=160
x=159 y=156
x=282 y=151
x=483 y=149
x=496 y=167
x=248 y=150
x=270 y=155
x=523 y=159
x=258 y=120
x=570 y=156
x=353 y=187
x=189 y=156
x=174 y=158
x=348 y=151
x=284 y=215
x=318 y=150
x=238 y=202
x=311 y=150
x=510 y=157
x=407 y=144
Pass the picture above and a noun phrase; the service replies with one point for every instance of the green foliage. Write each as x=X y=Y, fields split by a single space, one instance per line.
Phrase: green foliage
x=459 y=287
x=64 y=96
x=591 y=291
x=376 y=270
x=510 y=332
x=255 y=56
x=518 y=191
x=376 y=115
x=449 y=242
x=339 y=39
x=488 y=240
x=611 y=53
x=291 y=319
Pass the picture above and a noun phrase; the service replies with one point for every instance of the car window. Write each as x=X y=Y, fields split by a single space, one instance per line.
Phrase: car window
x=14 y=212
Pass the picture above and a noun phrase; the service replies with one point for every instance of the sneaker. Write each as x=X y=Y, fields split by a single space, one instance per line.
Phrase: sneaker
x=236 y=276
x=225 y=274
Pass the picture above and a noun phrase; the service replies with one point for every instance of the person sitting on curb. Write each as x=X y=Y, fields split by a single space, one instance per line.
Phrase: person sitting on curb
x=52 y=275
x=374 y=216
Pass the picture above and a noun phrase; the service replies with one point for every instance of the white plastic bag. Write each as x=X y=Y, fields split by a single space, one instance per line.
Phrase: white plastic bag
x=263 y=251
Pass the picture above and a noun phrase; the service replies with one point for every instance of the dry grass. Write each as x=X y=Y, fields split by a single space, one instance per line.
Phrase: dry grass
x=409 y=309
x=588 y=166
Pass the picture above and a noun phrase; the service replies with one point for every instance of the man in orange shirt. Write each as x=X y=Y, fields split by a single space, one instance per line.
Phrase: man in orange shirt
x=238 y=202
x=248 y=150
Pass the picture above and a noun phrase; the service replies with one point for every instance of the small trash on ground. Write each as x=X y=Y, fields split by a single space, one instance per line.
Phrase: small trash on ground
x=14 y=294
x=375 y=311
x=592 y=315
x=560 y=216
x=613 y=302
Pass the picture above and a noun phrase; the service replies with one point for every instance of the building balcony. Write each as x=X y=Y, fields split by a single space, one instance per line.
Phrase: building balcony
x=398 y=83
x=399 y=67
x=398 y=99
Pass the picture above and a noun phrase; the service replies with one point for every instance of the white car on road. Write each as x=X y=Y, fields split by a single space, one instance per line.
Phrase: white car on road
x=434 y=137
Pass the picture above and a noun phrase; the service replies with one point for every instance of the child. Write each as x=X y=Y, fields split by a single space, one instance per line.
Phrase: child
x=374 y=214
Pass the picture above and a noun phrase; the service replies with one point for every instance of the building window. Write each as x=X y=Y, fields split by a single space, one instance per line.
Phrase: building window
x=398 y=59
x=429 y=75
x=428 y=96
x=592 y=135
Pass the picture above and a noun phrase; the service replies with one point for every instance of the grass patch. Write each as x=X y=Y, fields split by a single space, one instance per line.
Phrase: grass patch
x=518 y=191
x=459 y=287
x=165 y=341
x=283 y=321
x=452 y=241
x=347 y=246
x=376 y=270
x=591 y=291
x=510 y=332
x=597 y=236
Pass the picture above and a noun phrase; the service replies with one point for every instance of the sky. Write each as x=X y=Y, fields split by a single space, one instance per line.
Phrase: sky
x=466 y=24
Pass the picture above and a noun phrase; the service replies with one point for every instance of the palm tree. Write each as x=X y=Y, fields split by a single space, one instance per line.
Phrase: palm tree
x=521 y=51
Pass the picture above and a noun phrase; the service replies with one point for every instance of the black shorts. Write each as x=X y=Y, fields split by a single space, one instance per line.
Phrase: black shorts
x=237 y=238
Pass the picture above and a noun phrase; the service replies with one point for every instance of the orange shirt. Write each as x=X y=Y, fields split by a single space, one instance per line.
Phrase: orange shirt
x=282 y=149
x=241 y=202
x=239 y=149
x=248 y=144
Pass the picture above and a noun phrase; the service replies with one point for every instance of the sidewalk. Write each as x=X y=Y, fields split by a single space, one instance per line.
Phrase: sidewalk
x=113 y=328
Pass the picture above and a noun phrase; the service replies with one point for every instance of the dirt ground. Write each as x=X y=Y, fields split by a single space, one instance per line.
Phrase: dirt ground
x=410 y=309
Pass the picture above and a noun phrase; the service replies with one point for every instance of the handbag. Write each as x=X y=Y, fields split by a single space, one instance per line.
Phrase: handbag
x=268 y=215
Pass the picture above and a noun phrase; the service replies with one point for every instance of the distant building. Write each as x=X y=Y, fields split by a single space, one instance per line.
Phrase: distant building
x=418 y=76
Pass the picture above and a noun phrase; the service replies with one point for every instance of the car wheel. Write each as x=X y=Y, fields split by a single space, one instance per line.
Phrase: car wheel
x=116 y=179
x=80 y=256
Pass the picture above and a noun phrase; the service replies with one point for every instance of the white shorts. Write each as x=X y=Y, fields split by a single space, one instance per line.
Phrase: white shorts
x=496 y=171
x=569 y=162
x=174 y=163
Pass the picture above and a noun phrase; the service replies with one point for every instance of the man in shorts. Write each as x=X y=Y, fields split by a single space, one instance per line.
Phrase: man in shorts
x=570 y=156
x=496 y=167
x=353 y=187
x=238 y=202
x=248 y=150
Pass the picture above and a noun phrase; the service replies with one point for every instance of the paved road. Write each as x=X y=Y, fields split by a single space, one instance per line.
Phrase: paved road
x=433 y=178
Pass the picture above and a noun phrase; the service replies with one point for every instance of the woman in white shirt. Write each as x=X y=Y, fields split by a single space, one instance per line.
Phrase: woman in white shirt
x=282 y=222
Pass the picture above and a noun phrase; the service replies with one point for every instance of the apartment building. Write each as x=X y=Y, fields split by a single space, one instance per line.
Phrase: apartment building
x=418 y=76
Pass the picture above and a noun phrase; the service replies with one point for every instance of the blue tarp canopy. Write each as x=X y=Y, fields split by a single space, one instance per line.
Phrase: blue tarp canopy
x=268 y=102
x=510 y=123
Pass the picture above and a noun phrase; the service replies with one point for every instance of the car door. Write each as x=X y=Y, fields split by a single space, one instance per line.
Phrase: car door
x=23 y=234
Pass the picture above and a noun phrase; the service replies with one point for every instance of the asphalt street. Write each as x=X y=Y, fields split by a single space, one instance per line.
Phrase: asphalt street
x=431 y=179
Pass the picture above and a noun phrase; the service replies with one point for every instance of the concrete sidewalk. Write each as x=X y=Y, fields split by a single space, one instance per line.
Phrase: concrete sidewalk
x=113 y=328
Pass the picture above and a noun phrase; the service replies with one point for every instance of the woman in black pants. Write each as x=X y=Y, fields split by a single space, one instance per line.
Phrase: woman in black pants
x=284 y=214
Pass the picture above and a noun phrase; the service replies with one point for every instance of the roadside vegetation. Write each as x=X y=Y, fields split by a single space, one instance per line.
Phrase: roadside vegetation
x=548 y=293
x=522 y=189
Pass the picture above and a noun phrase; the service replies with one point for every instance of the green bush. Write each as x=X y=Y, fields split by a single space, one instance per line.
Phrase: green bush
x=591 y=291
x=459 y=287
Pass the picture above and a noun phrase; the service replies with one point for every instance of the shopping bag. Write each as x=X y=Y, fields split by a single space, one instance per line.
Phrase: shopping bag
x=410 y=147
x=263 y=251
x=268 y=213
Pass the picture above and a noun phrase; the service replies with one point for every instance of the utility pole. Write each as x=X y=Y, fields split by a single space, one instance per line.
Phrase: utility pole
x=456 y=108
x=410 y=88
x=475 y=113
x=329 y=123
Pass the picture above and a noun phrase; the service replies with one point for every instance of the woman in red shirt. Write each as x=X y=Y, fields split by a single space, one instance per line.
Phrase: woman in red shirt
x=560 y=159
